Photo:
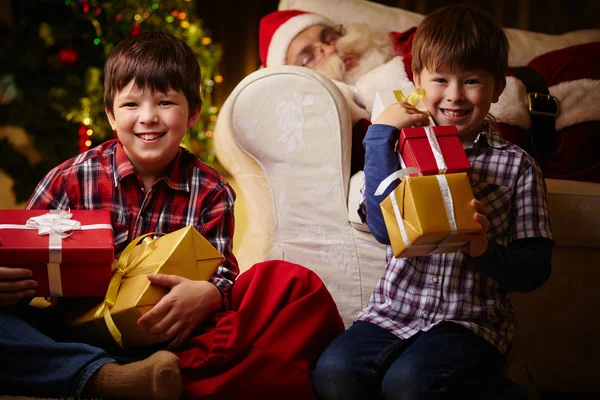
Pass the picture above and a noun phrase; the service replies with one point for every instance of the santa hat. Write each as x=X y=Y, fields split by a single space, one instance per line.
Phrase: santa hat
x=279 y=28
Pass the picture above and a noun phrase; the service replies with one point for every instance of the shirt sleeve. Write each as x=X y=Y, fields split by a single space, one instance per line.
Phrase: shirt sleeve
x=380 y=162
x=525 y=264
x=529 y=212
x=522 y=266
x=50 y=193
x=217 y=226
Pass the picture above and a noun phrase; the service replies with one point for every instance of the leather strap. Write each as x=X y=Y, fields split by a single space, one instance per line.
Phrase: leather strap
x=543 y=110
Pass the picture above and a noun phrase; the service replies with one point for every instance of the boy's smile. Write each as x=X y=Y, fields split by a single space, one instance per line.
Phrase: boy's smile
x=461 y=98
x=150 y=125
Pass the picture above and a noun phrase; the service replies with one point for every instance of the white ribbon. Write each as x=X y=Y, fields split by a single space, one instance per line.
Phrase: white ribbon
x=58 y=225
x=400 y=174
x=436 y=149
x=448 y=206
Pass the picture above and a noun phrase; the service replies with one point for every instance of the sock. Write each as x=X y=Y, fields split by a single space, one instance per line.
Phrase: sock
x=156 y=377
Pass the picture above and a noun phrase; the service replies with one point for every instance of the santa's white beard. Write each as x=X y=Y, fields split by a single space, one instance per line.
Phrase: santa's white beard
x=373 y=49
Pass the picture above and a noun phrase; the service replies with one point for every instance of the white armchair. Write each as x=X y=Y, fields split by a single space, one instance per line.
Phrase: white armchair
x=284 y=134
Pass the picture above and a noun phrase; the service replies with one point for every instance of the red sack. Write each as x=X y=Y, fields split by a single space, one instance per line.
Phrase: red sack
x=283 y=318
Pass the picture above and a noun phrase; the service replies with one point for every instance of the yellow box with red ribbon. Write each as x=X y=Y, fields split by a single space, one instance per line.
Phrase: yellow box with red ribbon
x=429 y=214
x=185 y=253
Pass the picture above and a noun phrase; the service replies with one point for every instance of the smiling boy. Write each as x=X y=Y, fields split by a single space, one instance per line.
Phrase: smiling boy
x=441 y=325
x=150 y=184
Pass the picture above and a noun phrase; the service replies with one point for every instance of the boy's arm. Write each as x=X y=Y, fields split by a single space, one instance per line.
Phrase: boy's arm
x=217 y=226
x=525 y=264
x=522 y=267
x=380 y=162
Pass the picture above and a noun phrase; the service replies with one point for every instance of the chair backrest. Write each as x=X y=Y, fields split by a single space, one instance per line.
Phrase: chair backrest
x=285 y=135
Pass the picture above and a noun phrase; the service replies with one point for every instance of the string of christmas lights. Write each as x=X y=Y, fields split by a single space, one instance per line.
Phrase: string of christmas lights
x=111 y=21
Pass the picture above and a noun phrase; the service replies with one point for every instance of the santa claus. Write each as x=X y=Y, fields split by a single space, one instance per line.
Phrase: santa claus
x=562 y=129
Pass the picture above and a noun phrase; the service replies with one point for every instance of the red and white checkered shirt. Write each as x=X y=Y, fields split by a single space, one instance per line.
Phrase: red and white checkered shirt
x=416 y=293
x=189 y=194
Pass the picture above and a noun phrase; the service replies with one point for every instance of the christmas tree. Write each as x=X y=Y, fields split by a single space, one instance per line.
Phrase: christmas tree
x=51 y=74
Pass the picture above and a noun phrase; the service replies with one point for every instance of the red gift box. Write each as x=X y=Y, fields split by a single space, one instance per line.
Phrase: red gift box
x=417 y=150
x=70 y=253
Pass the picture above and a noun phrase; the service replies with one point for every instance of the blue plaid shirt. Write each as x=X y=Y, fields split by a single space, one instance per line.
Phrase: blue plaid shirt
x=416 y=293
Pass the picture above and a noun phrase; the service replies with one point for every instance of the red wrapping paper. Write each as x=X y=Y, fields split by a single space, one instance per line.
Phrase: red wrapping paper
x=86 y=255
x=415 y=149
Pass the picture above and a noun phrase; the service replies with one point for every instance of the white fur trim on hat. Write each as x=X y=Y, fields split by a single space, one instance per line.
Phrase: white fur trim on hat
x=287 y=31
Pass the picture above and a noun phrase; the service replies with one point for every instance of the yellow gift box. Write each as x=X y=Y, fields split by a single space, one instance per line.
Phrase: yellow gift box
x=185 y=253
x=435 y=214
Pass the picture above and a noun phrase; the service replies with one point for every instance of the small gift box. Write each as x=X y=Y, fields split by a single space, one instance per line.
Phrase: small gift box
x=69 y=252
x=433 y=150
x=429 y=214
x=185 y=253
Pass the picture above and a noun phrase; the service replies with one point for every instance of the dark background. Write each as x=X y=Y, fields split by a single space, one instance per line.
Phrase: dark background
x=234 y=24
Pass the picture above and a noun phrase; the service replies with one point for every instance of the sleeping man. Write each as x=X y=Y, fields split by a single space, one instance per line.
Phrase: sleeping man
x=361 y=62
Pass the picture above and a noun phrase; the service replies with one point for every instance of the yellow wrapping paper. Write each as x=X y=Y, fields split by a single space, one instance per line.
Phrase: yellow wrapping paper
x=425 y=216
x=185 y=253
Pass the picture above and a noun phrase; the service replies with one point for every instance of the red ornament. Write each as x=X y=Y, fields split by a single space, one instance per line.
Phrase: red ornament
x=83 y=138
x=135 y=30
x=67 y=56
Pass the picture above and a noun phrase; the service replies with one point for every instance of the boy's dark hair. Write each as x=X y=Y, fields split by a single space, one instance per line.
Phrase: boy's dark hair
x=460 y=36
x=155 y=60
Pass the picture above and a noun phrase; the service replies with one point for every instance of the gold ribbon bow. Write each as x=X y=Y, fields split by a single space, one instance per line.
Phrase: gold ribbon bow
x=126 y=268
x=413 y=99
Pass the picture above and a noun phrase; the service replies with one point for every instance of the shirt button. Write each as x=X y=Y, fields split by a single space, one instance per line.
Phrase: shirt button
x=435 y=279
x=425 y=315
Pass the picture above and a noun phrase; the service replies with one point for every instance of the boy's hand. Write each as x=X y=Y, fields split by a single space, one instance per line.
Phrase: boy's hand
x=478 y=242
x=15 y=285
x=402 y=115
x=186 y=305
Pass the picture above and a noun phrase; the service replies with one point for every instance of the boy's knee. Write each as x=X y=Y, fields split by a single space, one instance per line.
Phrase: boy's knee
x=332 y=375
x=408 y=382
x=403 y=380
x=334 y=363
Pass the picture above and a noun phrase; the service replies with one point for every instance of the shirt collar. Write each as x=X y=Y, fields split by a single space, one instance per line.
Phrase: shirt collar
x=175 y=176
x=489 y=137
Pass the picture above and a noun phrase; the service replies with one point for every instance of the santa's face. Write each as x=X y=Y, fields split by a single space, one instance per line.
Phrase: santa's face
x=343 y=58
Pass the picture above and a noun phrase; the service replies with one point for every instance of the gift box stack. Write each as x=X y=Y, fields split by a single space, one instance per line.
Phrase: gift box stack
x=430 y=211
x=69 y=252
x=184 y=252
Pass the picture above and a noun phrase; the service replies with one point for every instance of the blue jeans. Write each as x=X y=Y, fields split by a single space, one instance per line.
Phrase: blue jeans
x=33 y=363
x=369 y=362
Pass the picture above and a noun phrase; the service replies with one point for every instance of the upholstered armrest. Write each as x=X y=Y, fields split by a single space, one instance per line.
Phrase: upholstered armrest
x=284 y=134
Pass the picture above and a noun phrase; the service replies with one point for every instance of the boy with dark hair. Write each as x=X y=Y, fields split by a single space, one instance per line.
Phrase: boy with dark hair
x=151 y=184
x=439 y=326
x=152 y=95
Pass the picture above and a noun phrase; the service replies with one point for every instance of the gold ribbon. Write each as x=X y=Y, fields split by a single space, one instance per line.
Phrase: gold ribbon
x=413 y=99
x=126 y=268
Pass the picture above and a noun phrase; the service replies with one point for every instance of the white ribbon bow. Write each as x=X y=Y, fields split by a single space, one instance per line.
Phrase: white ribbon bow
x=54 y=223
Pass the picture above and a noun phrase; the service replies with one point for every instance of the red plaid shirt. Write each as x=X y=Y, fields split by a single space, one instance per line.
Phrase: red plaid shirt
x=189 y=194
